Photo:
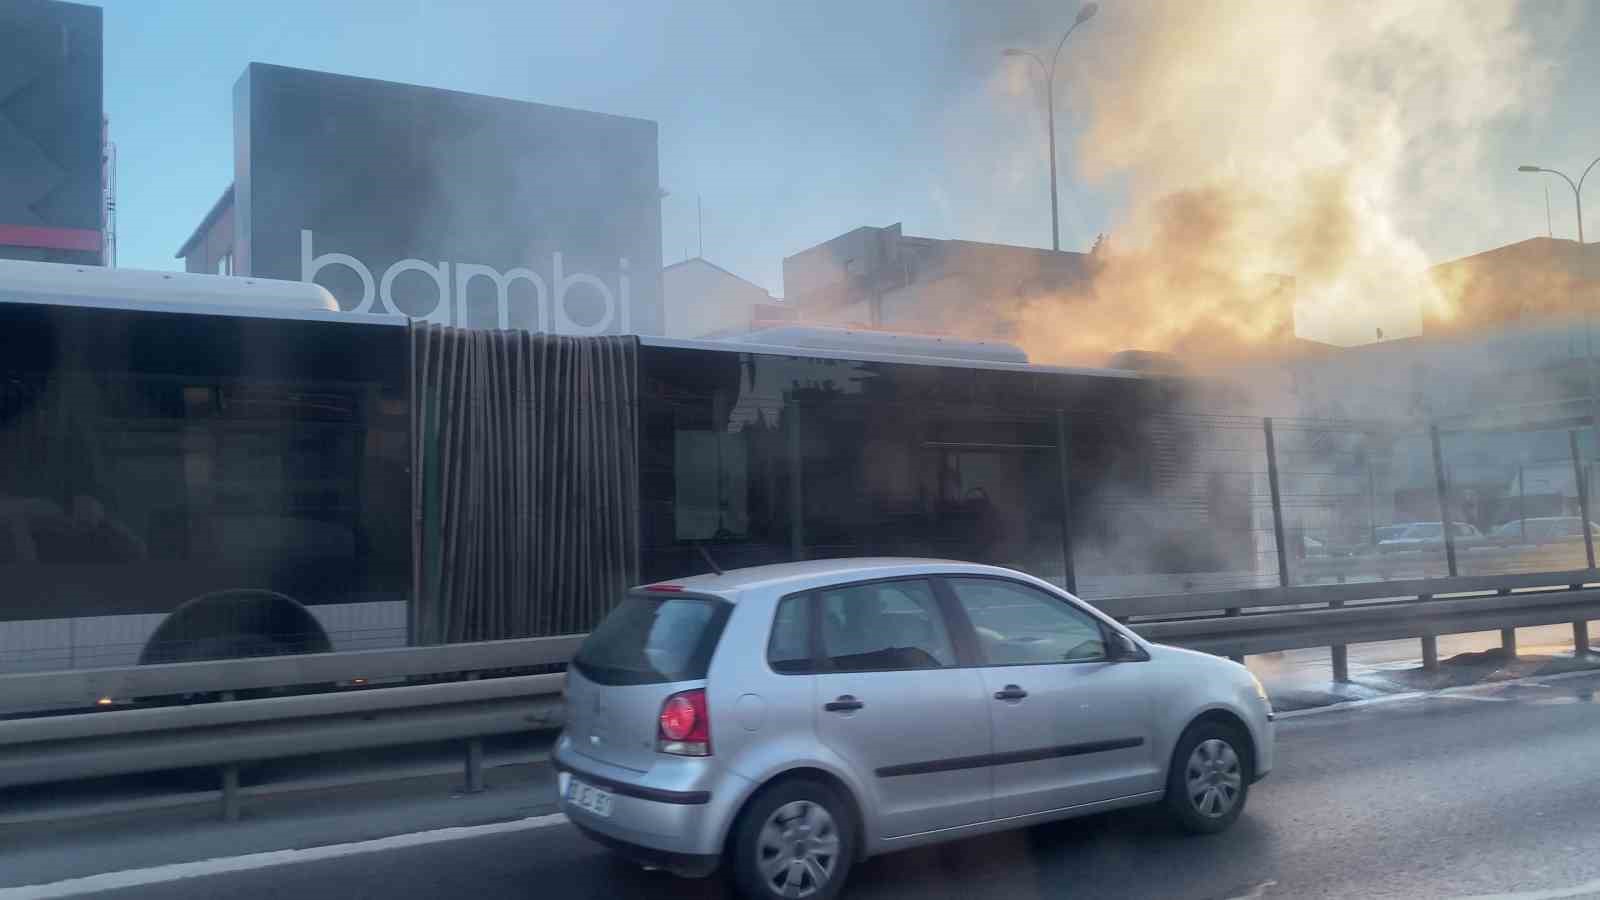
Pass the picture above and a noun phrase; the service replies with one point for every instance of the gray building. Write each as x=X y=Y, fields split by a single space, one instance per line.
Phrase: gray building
x=52 y=133
x=438 y=205
x=881 y=277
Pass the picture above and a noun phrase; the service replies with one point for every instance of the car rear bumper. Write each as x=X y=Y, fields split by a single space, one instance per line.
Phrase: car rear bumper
x=686 y=865
x=677 y=827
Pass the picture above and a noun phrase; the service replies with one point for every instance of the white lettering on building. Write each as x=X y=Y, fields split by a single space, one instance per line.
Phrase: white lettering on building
x=550 y=307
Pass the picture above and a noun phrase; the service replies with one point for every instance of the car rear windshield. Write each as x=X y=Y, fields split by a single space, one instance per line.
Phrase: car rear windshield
x=653 y=639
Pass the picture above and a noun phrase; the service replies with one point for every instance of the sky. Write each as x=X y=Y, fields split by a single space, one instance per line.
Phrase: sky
x=791 y=122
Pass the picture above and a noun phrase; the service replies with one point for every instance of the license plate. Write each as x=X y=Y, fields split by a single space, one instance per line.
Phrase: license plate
x=589 y=798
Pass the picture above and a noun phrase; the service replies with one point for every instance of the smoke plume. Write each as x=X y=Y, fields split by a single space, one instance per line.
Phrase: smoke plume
x=1283 y=163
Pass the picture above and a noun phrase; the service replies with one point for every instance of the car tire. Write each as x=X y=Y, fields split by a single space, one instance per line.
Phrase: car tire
x=1209 y=780
x=793 y=829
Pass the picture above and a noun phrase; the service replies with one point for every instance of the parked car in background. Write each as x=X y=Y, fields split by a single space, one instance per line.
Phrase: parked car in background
x=1430 y=536
x=1542 y=530
x=786 y=721
x=1389 y=532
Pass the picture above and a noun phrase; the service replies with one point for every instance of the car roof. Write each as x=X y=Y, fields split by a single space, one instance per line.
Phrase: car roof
x=816 y=572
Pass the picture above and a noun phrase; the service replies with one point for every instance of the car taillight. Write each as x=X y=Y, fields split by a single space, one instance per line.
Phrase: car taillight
x=685 y=725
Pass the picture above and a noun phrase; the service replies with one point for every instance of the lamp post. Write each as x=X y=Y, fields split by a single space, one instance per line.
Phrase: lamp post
x=1588 y=340
x=1084 y=15
x=1577 y=187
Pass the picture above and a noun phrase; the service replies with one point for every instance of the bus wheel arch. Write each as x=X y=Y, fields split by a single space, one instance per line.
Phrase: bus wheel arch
x=235 y=623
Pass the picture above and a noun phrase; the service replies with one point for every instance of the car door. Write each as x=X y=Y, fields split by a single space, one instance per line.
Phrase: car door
x=1070 y=725
x=893 y=702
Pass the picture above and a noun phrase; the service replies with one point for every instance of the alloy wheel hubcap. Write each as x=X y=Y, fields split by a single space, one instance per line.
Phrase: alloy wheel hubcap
x=1214 y=778
x=798 y=849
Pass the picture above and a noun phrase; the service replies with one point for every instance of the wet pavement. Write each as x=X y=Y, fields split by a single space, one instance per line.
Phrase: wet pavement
x=1484 y=791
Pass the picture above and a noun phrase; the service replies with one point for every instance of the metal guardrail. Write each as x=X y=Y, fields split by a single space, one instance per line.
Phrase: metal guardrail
x=231 y=732
x=1262 y=620
x=85 y=687
x=1330 y=594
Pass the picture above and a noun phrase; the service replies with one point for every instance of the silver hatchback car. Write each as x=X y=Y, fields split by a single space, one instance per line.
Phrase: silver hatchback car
x=789 y=720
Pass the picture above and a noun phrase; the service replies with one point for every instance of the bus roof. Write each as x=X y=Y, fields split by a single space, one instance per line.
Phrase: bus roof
x=220 y=295
x=907 y=355
x=96 y=286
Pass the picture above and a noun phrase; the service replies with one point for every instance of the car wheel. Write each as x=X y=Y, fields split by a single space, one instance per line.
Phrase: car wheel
x=1210 y=778
x=795 y=839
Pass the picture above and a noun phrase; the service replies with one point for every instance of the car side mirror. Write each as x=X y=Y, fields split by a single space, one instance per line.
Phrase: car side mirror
x=1122 y=648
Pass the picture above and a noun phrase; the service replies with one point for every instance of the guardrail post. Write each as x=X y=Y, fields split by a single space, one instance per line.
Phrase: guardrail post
x=474 y=783
x=1430 y=653
x=1508 y=636
x=1065 y=462
x=1580 y=638
x=230 y=780
x=1232 y=612
x=1508 y=642
x=1341 y=663
x=230 y=793
x=1583 y=495
x=474 y=761
x=1446 y=521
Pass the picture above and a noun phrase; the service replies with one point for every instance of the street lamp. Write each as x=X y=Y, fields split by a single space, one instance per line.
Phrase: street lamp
x=1588 y=339
x=1084 y=15
x=1577 y=187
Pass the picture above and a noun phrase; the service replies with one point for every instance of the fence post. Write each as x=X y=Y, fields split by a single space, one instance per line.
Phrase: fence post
x=1522 y=503
x=1372 y=506
x=1277 y=503
x=1446 y=521
x=1339 y=653
x=1583 y=496
x=1062 y=448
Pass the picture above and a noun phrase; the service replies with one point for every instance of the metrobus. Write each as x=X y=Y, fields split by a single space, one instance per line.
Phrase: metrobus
x=199 y=467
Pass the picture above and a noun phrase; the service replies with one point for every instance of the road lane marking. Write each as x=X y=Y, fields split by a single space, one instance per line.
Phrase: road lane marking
x=1587 y=889
x=130 y=878
x=1257 y=892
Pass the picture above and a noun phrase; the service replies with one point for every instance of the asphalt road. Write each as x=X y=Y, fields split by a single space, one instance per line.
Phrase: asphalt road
x=1487 y=792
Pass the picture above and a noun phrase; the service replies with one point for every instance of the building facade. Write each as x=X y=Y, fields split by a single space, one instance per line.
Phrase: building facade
x=438 y=205
x=1535 y=279
x=52 y=133
x=702 y=299
x=883 y=278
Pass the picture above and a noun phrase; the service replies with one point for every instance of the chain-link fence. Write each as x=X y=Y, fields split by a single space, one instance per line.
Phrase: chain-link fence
x=1361 y=502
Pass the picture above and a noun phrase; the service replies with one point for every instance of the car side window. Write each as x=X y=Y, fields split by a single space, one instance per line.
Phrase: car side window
x=1022 y=625
x=789 y=648
x=884 y=626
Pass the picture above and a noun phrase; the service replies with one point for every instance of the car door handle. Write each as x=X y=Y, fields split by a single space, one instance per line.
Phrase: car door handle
x=844 y=703
x=1010 y=692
